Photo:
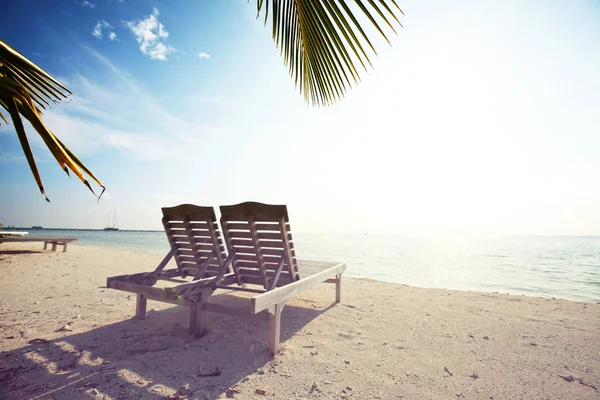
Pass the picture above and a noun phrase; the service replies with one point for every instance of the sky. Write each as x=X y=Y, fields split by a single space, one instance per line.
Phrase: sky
x=481 y=118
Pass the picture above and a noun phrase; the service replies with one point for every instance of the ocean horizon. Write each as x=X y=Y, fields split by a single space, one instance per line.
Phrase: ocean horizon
x=547 y=266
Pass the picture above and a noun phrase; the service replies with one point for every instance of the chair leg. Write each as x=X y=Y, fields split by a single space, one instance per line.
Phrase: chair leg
x=64 y=247
x=140 y=306
x=45 y=245
x=198 y=315
x=338 y=288
x=53 y=246
x=275 y=327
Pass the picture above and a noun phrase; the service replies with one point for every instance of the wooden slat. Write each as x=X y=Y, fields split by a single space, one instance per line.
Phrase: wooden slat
x=198 y=239
x=255 y=280
x=238 y=225
x=267 y=258
x=271 y=243
x=180 y=226
x=204 y=247
x=246 y=257
x=275 y=252
x=150 y=292
x=253 y=265
x=242 y=242
x=258 y=211
x=261 y=235
x=268 y=227
x=272 y=297
x=292 y=267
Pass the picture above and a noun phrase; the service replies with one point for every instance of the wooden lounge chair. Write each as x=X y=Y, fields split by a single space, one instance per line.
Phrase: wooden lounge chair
x=199 y=254
x=53 y=240
x=265 y=269
x=261 y=250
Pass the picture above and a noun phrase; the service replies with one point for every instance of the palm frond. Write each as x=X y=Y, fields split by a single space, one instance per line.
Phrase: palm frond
x=23 y=85
x=321 y=40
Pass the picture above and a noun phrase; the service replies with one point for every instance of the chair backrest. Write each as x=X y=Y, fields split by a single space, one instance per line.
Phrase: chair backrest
x=258 y=236
x=194 y=236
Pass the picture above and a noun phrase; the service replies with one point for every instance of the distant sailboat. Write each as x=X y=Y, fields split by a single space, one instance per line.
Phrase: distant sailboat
x=114 y=226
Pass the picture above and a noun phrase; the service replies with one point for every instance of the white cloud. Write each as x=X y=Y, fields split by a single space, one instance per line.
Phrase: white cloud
x=86 y=3
x=122 y=116
x=203 y=55
x=151 y=34
x=103 y=25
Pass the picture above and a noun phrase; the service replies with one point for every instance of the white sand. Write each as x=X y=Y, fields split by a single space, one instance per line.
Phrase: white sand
x=384 y=340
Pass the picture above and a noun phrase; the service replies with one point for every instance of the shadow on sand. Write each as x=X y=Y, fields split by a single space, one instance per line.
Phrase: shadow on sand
x=147 y=359
x=25 y=251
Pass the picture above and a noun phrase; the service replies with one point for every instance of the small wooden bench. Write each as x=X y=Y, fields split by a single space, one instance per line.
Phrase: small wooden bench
x=53 y=240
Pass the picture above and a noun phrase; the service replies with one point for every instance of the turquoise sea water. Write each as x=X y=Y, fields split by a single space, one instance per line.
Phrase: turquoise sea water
x=552 y=266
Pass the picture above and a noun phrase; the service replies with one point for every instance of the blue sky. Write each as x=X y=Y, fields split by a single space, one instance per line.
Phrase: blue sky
x=481 y=118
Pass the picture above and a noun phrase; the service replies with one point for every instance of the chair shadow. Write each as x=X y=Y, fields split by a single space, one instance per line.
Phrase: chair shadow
x=24 y=251
x=145 y=359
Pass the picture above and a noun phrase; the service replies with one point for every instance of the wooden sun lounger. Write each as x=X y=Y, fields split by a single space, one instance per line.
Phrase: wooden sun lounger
x=198 y=250
x=261 y=254
x=53 y=240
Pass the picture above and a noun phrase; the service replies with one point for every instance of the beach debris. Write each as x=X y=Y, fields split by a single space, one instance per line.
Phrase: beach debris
x=347 y=362
x=474 y=376
x=313 y=388
x=314 y=353
x=486 y=337
x=94 y=392
x=9 y=337
x=308 y=347
x=232 y=391
x=471 y=336
x=448 y=371
x=568 y=378
x=38 y=341
x=260 y=392
x=571 y=378
x=215 y=372
x=66 y=328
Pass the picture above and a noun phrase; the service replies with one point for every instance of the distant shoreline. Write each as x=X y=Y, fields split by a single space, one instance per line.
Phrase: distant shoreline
x=76 y=229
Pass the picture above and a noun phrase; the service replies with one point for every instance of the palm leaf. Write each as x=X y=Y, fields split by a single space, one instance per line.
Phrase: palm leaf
x=23 y=85
x=320 y=41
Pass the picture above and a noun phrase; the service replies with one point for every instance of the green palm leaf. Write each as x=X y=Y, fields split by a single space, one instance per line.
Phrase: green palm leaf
x=321 y=40
x=23 y=87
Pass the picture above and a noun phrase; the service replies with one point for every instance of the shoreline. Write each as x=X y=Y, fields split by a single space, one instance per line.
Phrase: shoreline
x=63 y=333
x=348 y=275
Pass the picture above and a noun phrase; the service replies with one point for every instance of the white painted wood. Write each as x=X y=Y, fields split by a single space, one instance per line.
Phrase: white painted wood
x=140 y=306
x=338 y=288
x=275 y=327
x=12 y=233
x=263 y=301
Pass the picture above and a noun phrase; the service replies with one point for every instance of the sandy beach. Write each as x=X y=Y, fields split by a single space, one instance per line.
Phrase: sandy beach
x=63 y=335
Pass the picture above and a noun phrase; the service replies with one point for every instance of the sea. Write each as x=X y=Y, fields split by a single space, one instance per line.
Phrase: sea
x=565 y=267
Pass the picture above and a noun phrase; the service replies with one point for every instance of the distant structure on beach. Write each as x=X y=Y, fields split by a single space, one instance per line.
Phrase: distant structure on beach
x=36 y=228
x=114 y=226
